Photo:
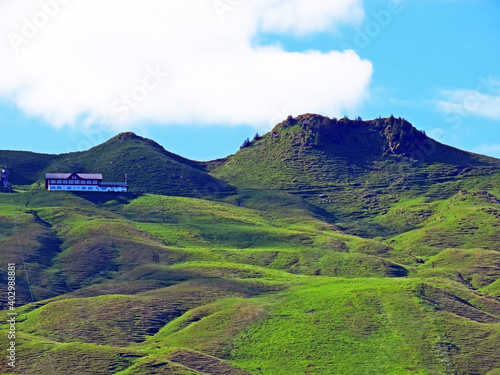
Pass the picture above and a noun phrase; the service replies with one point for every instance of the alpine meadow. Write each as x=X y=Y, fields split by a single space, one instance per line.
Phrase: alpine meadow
x=326 y=246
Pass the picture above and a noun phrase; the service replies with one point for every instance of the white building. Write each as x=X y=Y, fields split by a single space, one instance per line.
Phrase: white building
x=82 y=182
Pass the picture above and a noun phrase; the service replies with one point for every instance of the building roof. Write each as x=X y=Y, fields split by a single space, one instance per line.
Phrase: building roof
x=65 y=176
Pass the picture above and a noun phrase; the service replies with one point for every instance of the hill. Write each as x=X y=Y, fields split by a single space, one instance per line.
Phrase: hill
x=150 y=168
x=324 y=247
x=356 y=170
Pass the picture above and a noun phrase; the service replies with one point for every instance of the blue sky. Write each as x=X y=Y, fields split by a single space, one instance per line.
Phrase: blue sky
x=433 y=62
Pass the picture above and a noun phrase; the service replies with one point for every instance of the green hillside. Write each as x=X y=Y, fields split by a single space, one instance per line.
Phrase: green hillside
x=323 y=247
x=356 y=170
x=149 y=167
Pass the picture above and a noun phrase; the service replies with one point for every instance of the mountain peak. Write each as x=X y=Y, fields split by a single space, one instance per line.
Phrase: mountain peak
x=130 y=138
x=128 y=135
x=389 y=135
x=313 y=153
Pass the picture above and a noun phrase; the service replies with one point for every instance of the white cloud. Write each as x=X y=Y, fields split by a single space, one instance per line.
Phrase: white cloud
x=470 y=102
x=302 y=17
x=89 y=58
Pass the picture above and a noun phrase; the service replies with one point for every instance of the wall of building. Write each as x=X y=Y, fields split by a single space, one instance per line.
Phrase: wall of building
x=90 y=188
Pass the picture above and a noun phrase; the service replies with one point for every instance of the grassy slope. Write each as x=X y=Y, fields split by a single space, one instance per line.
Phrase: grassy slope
x=352 y=327
x=356 y=170
x=148 y=299
x=150 y=168
x=265 y=281
x=88 y=243
x=468 y=220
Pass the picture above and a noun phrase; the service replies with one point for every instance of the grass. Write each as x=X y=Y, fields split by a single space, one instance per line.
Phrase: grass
x=477 y=268
x=150 y=168
x=41 y=357
x=352 y=327
x=314 y=257
x=120 y=320
x=469 y=219
x=237 y=291
x=355 y=171
x=212 y=328
x=318 y=325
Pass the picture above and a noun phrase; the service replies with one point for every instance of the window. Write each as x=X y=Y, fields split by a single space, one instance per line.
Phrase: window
x=52 y=181
x=94 y=182
x=59 y=181
x=59 y=188
x=69 y=187
x=65 y=182
x=71 y=181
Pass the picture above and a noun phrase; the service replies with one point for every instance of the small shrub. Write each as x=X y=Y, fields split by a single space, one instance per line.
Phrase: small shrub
x=246 y=143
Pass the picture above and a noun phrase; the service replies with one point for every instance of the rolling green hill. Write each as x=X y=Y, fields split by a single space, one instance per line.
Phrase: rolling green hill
x=356 y=170
x=323 y=247
x=150 y=168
